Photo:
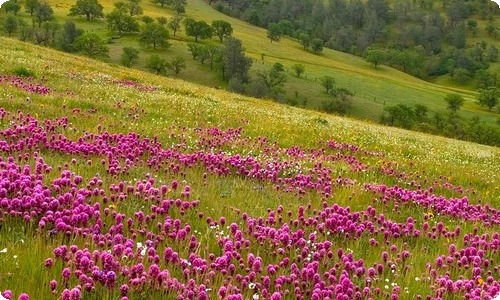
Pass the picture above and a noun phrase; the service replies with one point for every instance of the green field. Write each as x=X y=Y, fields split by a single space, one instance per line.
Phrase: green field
x=155 y=130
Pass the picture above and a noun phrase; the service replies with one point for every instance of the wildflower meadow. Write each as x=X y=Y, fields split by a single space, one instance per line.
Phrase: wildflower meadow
x=117 y=184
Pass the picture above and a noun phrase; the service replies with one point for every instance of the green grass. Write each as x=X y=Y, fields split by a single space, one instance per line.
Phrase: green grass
x=177 y=111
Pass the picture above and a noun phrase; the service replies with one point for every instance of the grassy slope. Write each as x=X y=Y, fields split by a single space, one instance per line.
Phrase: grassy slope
x=374 y=88
x=196 y=105
x=180 y=107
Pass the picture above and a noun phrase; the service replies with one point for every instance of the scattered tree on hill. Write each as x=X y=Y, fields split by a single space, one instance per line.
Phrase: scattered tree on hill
x=129 y=56
x=274 y=78
x=485 y=79
x=455 y=102
x=222 y=29
x=274 y=32
x=179 y=6
x=492 y=54
x=157 y=64
x=31 y=6
x=10 y=24
x=317 y=45
x=148 y=20
x=234 y=62
x=195 y=49
x=91 y=44
x=198 y=29
x=214 y=54
x=489 y=97
x=43 y=13
x=68 y=37
x=328 y=82
x=162 y=21
x=175 y=23
x=421 y=113
x=491 y=29
x=472 y=26
x=286 y=27
x=177 y=64
x=134 y=7
x=340 y=102
x=375 y=57
x=298 y=69
x=399 y=115
x=11 y=6
x=154 y=35
x=305 y=40
x=120 y=22
x=91 y=9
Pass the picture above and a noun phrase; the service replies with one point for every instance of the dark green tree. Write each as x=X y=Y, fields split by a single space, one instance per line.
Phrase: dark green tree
x=460 y=75
x=274 y=78
x=375 y=56
x=421 y=113
x=491 y=29
x=154 y=35
x=43 y=13
x=340 y=102
x=299 y=69
x=11 y=6
x=68 y=36
x=177 y=64
x=91 y=44
x=91 y=9
x=399 y=115
x=198 y=29
x=120 y=22
x=162 y=21
x=274 y=32
x=31 y=6
x=175 y=23
x=485 y=79
x=305 y=40
x=455 y=102
x=222 y=29
x=195 y=49
x=149 y=20
x=234 y=63
x=134 y=7
x=129 y=56
x=317 y=45
x=214 y=55
x=492 y=54
x=157 y=64
x=10 y=24
x=472 y=26
x=488 y=97
x=328 y=82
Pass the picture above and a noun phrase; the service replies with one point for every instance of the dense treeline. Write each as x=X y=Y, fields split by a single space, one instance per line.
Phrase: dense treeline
x=424 y=38
x=450 y=124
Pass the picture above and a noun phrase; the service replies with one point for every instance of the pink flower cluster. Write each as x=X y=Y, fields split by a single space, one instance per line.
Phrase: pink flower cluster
x=26 y=84
x=144 y=236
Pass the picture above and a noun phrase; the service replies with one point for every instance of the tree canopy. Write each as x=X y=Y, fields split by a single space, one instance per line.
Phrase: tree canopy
x=91 y=9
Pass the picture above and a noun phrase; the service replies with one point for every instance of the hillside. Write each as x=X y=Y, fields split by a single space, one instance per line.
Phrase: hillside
x=374 y=88
x=115 y=183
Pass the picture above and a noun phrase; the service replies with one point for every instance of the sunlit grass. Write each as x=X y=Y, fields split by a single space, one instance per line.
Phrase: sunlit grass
x=178 y=113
